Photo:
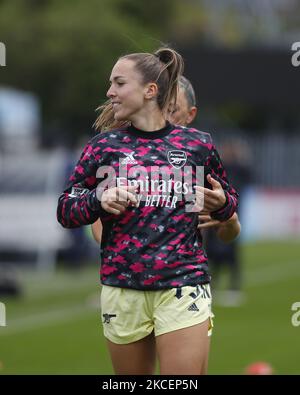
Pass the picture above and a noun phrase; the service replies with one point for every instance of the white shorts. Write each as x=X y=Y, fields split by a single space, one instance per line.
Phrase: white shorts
x=129 y=315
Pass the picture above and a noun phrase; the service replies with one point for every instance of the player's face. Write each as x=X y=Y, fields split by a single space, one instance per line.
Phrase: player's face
x=127 y=93
x=179 y=114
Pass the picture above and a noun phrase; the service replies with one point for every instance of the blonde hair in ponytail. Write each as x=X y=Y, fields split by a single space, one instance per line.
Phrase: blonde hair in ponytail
x=164 y=67
x=106 y=120
x=172 y=64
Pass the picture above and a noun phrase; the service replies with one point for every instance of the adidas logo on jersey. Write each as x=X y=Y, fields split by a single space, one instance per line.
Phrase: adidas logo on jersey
x=129 y=160
x=193 y=307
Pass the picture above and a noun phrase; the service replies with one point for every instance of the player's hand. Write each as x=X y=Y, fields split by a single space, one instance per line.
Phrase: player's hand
x=116 y=200
x=206 y=221
x=212 y=199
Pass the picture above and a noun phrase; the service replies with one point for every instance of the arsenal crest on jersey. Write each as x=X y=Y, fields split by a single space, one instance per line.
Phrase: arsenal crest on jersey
x=177 y=158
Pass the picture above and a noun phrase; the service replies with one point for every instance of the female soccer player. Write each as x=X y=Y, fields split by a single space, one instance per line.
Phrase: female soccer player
x=140 y=180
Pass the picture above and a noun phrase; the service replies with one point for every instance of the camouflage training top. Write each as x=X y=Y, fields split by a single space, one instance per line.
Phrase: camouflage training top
x=155 y=245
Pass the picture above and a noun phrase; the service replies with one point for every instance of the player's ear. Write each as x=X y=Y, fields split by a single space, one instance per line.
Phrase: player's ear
x=151 y=90
x=192 y=114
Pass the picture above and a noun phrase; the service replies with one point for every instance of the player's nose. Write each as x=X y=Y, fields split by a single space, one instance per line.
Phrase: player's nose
x=110 y=93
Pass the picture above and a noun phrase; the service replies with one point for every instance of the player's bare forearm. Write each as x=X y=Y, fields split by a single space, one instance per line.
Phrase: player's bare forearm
x=97 y=231
x=229 y=230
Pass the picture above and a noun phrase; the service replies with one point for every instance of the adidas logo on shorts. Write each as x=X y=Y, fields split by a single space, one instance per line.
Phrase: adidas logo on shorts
x=193 y=307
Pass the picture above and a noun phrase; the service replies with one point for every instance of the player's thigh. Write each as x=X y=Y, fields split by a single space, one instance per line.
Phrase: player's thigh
x=134 y=358
x=128 y=329
x=183 y=323
x=184 y=351
x=204 y=368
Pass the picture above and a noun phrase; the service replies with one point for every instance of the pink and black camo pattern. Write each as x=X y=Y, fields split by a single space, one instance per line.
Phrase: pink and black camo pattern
x=146 y=247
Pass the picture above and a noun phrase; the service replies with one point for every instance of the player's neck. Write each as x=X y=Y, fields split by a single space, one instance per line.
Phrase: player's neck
x=149 y=121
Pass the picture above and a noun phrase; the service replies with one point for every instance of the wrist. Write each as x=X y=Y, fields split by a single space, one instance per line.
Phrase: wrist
x=218 y=214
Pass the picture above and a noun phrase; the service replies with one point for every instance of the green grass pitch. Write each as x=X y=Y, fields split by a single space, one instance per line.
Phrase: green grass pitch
x=55 y=328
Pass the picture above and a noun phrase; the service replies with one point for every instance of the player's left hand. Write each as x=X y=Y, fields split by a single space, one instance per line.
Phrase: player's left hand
x=214 y=198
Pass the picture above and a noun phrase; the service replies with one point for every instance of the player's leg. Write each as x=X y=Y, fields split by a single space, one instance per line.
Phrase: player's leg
x=134 y=358
x=207 y=344
x=182 y=328
x=184 y=351
x=128 y=328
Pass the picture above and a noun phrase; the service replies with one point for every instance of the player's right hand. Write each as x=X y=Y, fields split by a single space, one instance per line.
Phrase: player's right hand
x=116 y=200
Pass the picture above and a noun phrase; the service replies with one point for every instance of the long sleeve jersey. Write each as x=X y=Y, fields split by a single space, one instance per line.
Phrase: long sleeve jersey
x=156 y=244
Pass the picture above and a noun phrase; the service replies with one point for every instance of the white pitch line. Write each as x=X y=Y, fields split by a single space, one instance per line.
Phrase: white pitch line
x=39 y=320
x=269 y=275
x=35 y=288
